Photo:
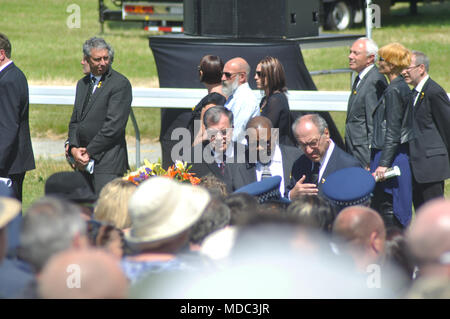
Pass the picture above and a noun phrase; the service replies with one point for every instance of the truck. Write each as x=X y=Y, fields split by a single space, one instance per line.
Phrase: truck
x=167 y=15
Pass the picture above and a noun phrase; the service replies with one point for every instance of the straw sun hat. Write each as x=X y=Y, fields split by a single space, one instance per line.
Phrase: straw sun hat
x=162 y=208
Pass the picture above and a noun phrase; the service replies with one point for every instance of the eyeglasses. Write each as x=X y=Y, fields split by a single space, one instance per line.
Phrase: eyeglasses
x=313 y=144
x=258 y=73
x=217 y=133
x=380 y=59
x=228 y=75
x=412 y=67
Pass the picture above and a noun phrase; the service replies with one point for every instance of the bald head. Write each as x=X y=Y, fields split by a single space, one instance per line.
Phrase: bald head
x=258 y=122
x=429 y=235
x=357 y=224
x=100 y=276
x=239 y=67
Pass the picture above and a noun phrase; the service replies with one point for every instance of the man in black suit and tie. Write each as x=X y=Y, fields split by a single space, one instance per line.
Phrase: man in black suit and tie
x=367 y=89
x=97 y=126
x=264 y=157
x=321 y=156
x=430 y=147
x=16 y=152
x=216 y=152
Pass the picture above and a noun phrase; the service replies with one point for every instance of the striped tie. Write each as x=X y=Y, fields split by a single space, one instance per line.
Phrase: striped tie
x=266 y=172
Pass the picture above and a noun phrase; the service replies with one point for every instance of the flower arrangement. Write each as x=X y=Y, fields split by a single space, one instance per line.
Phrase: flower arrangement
x=179 y=171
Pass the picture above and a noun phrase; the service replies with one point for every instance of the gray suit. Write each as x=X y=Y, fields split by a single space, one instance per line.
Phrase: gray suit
x=359 y=125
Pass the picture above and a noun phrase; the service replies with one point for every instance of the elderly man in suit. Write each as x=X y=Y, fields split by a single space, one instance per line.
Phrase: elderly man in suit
x=16 y=152
x=97 y=126
x=321 y=156
x=265 y=157
x=430 y=147
x=367 y=89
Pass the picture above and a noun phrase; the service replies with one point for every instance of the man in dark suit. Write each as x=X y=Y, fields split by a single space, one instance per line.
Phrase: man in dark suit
x=16 y=152
x=321 y=156
x=97 y=126
x=367 y=89
x=264 y=157
x=430 y=147
x=216 y=152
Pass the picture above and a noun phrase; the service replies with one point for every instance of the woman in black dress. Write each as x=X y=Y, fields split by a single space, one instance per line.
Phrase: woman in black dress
x=210 y=74
x=392 y=130
x=270 y=78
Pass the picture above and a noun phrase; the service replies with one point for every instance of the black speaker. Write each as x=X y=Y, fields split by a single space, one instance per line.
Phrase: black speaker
x=252 y=18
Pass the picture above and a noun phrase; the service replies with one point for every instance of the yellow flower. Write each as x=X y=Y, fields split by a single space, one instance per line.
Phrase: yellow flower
x=180 y=165
x=99 y=85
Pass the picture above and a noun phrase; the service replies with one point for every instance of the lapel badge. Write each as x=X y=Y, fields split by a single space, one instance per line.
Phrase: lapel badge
x=422 y=95
x=354 y=92
x=322 y=180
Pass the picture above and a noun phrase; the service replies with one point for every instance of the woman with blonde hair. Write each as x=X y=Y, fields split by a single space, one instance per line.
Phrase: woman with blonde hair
x=112 y=204
x=392 y=123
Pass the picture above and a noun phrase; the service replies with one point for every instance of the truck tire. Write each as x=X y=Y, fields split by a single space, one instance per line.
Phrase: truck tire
x=339 y=15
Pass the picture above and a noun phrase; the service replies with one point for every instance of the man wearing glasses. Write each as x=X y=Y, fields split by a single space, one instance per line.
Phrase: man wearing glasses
x=321 y=156
x=367 y=89
x=429 y=150
x=240 y=98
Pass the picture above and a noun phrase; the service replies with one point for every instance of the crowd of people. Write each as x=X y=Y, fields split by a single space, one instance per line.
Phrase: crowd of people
x=281 y=210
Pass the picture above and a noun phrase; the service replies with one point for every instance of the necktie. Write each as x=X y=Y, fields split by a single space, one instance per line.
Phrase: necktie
x=355 y=84
x=315 y=173
x=88 y=94
x=222 y=168
x=414 y=96
x=266 y=172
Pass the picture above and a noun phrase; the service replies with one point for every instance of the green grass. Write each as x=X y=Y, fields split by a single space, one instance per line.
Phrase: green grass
x=49 y=53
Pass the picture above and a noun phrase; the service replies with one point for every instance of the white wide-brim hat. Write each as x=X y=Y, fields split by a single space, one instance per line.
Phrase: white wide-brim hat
x=162 y=208
x=9 y=208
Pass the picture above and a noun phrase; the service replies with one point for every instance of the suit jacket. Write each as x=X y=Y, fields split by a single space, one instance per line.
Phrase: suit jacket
x=16 y=152
x=338 y=160
x=358 y=125
x=245 y=173
x=430 y=148
x=101 y=128
x=206 y=165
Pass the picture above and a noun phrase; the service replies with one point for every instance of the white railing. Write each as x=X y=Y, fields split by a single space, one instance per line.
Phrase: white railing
x=188 y=98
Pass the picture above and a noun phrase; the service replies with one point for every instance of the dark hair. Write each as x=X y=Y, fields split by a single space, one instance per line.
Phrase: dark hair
x=215 y=216
x=214 y=185
x=243 y=206
x=211 y=67
x=273 y=76
x=212 y=115
x=5 y=45
x=312 y=211
x=398 y=253
x=100 y=235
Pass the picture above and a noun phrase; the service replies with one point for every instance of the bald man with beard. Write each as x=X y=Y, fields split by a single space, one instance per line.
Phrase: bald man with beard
x=240 y=98
x=428 y=239
x=264 y=156
x=360 y=233
x=100 y=276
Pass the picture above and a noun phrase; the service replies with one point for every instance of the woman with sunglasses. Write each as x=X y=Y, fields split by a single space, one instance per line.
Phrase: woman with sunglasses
x=210 y=74
x=392 y=131
x=270 y=78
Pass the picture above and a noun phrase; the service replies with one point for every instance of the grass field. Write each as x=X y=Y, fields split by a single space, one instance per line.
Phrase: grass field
x=49 y=52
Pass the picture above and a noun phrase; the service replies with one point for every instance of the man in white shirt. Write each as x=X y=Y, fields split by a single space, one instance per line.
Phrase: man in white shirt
x=264 y=156
x=367 y=89
x=240 y=98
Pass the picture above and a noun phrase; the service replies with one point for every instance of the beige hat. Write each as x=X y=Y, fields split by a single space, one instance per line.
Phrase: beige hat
x=161 y=208
x=9 y=208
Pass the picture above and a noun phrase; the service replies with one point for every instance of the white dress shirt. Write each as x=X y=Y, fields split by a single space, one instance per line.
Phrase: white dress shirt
x=363 y=73
x=244 y=105
x=5 y=65
x=276 y=168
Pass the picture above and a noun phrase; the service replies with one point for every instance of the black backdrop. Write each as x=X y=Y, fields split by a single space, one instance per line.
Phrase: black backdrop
x=177 y=58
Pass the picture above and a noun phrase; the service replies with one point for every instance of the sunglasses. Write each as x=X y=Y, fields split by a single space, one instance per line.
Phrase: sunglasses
x=259 y=74
x=228 y=75
x=380 y=59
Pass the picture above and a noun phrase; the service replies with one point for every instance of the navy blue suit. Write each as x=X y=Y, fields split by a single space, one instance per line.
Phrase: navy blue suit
x=303 y=166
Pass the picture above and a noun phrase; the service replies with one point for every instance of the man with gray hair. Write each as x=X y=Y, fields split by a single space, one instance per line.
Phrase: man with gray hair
x=97 y=126
x=50 y=226
x=240 y=98
x=366 y=91
x=429 y=149
x=321 y=156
